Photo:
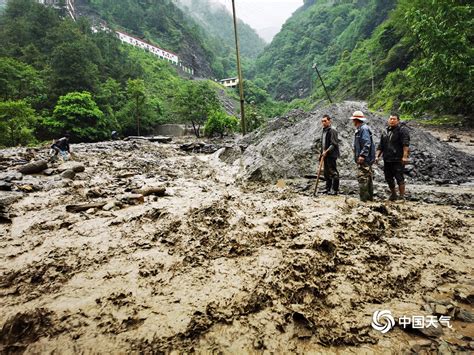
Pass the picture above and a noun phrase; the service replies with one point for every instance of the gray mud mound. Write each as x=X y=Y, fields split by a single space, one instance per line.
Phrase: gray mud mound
x=288 y=147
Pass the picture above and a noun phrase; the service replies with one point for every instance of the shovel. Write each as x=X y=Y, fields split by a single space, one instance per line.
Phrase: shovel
x=321 y=161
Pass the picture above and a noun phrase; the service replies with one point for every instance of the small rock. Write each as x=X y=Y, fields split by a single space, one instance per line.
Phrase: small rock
x=428 y=308
x=34 y=167
x=465 y=316
x=74 y=166
x=5 y=186
x=131 y=199
x=26 y=188
x=9 y=176
x=48 y=172
x=68 y=174
x=441 y=310
x=463 y=297
x=109 y=206
x=417 y=345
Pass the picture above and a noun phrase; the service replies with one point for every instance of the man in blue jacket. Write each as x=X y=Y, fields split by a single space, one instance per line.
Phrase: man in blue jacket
x=394 y=147
x=364 y=155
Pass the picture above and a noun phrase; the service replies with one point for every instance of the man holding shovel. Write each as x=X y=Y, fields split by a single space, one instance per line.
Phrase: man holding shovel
x=329 y=155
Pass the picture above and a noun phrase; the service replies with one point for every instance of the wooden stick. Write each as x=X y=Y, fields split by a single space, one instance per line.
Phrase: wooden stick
x=319 y=174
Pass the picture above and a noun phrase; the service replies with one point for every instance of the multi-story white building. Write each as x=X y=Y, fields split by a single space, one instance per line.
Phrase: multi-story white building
x=126 y=38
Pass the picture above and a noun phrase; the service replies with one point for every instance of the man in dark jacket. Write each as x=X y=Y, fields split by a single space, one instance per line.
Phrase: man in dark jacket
x=394 y=146
x=364 y=155
x=329 y=154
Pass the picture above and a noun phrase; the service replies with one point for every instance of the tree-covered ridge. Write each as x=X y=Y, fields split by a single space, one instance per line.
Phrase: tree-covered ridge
x=163 y=23
x=419 y=60
x=57 y=75
x=217 y=20
x=415 y=56
x=319 y=32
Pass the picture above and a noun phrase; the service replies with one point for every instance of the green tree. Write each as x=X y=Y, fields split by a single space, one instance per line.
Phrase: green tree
x=78 y=113
x=110 y=99
x=72 y=71
x=219 y=123
x=253 y=117
x=18 y=80
x=141 y=112
x=137 y=96
x=17 y=120
x=195 y=102
x=443 y=71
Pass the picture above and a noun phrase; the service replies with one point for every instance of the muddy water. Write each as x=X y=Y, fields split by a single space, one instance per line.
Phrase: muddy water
x=222 y=265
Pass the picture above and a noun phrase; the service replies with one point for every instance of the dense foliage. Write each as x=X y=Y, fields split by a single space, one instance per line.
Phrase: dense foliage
x=220 y=123
x=416 y=56
x=217 y=20
x=57 y=75
x=201 y=38
x=319 y=32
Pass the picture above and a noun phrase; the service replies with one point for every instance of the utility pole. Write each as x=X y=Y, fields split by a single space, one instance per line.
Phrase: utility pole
x=372 y=73
x=322 y=82
x=239 y=74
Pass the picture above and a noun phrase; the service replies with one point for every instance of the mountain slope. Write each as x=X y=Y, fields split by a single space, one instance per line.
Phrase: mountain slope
x=217 y=20
x=318 y=32
x=408 y=55
x=162 y=22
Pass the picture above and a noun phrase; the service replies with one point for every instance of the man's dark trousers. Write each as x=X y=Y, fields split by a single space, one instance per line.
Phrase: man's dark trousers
x=331 y=175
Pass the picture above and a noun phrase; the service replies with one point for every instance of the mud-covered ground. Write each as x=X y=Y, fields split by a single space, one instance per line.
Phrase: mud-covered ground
x=219 y=264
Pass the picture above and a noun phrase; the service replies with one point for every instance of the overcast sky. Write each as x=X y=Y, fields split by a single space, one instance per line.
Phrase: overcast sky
x=262 y=14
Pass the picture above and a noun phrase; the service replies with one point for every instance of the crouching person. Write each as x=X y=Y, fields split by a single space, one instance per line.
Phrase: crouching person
x=61 y=146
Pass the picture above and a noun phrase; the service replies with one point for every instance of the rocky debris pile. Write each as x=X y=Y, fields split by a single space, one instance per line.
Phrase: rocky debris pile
x=288 y=147
x=157 y=139
x=199 y=147
x=23 y=177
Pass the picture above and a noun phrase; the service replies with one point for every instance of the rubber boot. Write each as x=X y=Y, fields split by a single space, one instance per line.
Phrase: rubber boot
x=328 y=186
x=393 y=194
x=335 y=186
x=401 y=188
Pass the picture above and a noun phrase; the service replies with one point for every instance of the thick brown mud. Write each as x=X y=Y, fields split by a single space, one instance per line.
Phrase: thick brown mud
x=221 y=265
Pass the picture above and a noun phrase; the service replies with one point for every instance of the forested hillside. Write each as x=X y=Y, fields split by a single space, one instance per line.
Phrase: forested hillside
x=200 y=34
x=163 y=23
x=410 y=55
x=217 y=20
x=319 y=32
x=56 y=75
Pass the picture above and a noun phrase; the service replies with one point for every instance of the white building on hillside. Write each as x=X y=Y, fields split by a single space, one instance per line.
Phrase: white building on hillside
x=230 y=82
x=126 y=38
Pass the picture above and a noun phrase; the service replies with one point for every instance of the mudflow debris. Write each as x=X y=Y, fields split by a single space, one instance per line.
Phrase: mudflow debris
x=149 y=247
